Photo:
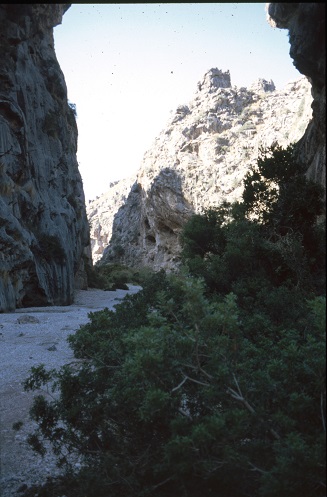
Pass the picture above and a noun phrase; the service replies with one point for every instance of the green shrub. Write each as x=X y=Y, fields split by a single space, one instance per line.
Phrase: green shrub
x=272 y=234
x=116 y=276
x=211 y=381
x=174 y=397
x=17 y=425
x=94 y=278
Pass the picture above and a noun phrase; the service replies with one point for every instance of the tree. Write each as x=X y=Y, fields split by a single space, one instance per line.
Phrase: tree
x=272 y=233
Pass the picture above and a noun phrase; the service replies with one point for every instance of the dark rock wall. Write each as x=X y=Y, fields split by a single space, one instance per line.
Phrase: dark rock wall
x=306 y=26
x=44 y=235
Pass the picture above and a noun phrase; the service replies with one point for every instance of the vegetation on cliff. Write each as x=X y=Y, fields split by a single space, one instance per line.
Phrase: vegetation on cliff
x=210 y=381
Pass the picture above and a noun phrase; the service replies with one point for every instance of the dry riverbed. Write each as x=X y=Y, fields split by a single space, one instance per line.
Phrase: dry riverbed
x=29 y=337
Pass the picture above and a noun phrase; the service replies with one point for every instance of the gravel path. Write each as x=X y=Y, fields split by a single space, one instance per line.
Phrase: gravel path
x=29 y=337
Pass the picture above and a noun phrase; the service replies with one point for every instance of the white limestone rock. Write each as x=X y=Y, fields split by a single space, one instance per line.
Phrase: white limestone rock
x=198 y=160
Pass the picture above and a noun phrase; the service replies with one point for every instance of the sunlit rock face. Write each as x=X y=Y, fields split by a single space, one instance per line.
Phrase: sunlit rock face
x=197 y=161
x=44 y=235
x=306 y=26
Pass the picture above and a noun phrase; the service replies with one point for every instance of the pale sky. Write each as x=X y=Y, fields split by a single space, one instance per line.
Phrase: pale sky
x=128 y=66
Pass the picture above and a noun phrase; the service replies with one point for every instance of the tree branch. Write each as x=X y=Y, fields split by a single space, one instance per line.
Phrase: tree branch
x=255 y=468
x=322 y=411
x=180 y=385
x=185 y=413
x=198 y=382
x=190 y=379
x=162 y=483
x=237 y=395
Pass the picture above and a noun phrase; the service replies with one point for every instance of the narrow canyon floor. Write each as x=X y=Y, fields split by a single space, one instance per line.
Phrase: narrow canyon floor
x=30 y=337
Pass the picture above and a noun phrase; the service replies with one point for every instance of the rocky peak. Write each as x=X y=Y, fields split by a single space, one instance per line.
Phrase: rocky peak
x=262 y=85
x=213 y=79
x=198 y=160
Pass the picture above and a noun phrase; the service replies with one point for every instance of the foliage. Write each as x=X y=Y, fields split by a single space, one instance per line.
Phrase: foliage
x=271 y=238
x=212 y=381
x=112 y=276
x=116 y=276
x=94 y=278
x=174 y=397
x=277 y=192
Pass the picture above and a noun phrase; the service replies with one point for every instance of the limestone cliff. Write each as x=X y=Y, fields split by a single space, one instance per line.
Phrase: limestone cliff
x=306 y=26
x=44 y=236
x=202 y=156
x=197 y=161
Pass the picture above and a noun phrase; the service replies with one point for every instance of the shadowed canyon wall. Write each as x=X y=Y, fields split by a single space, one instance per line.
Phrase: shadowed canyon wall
x=306 y=26
x=44 y=235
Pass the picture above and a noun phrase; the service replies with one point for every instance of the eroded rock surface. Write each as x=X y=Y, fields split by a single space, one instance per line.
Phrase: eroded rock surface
x=44 y=235
x=203 y=154
x=307 y=32
x=198 y=160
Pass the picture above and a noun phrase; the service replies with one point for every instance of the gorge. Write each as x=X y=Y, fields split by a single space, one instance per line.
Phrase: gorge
x=44 y=233
x=199 y=159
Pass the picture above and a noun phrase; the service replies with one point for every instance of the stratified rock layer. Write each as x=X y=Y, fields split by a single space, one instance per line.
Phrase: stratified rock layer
x=44 y=236
x=198 y=160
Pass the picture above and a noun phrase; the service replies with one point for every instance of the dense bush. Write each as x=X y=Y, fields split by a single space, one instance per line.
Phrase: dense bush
x=210 y=382
x=271 y=238
x=114 y=276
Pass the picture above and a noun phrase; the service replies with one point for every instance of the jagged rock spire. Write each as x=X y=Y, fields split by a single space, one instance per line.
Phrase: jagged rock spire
x=263 y=85
x=213 y=79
